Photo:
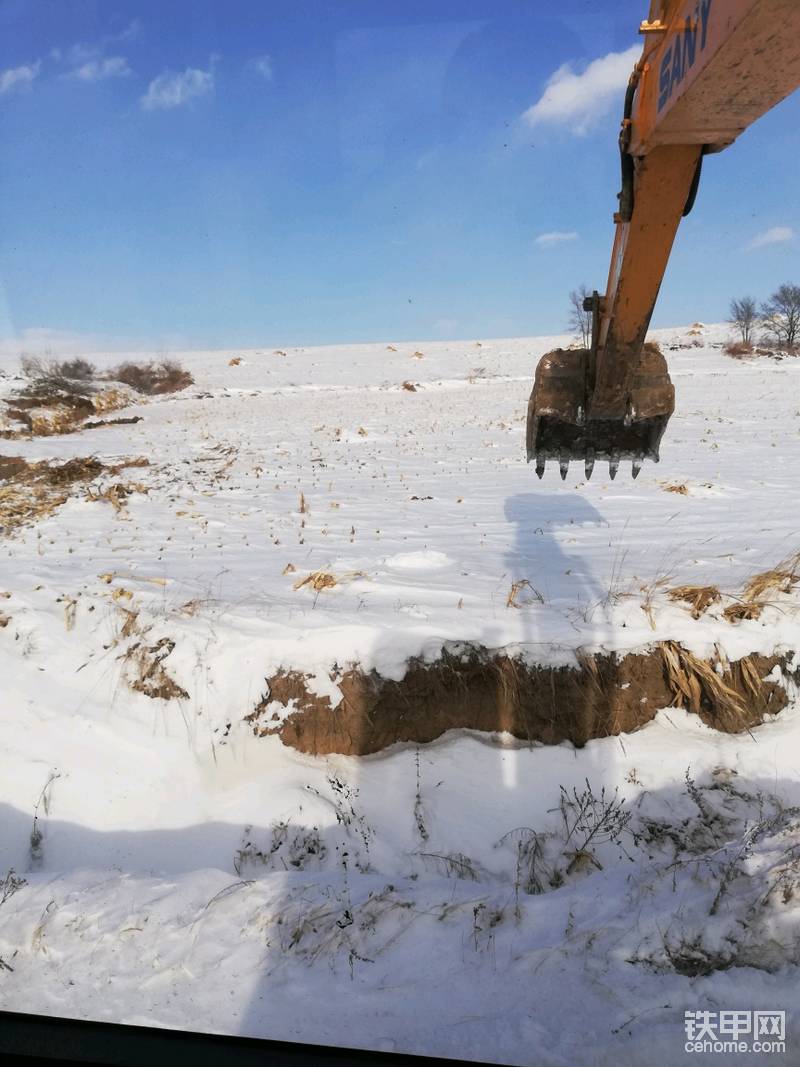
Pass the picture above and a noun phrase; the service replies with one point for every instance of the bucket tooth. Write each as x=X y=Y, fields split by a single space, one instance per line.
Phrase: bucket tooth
x=540 y=464
x=613 y=465
x=589 y=463
x=563 y=466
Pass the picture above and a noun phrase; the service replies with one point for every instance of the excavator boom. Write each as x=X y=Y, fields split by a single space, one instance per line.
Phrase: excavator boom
x=709 y=68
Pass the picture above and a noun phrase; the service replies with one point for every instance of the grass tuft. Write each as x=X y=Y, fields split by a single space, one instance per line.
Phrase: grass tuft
x=698 y=597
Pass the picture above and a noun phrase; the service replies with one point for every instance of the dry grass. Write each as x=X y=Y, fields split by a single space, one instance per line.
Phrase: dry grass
x=779 y=579
x=755 y=596
x=409 y=387
x=697 y=686
x=698 y=597
x=31 y=491
x=143 y=664
x=136 y=461
x=515 y=600
x=116 y=494
x=650 y=590
x=318 y=580
x=742 y=609
x=676 y=487
x=150 y=676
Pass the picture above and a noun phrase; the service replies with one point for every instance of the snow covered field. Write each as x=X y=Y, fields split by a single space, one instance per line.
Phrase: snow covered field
x=475 y=897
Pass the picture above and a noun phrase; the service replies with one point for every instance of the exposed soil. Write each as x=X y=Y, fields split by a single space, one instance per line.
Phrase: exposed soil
x=45 y=410
x=600 y=696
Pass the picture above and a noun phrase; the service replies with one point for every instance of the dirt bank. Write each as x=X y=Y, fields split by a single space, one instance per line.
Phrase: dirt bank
x=601 y=695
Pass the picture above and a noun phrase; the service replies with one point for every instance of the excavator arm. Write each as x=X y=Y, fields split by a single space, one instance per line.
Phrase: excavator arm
x=709 y=69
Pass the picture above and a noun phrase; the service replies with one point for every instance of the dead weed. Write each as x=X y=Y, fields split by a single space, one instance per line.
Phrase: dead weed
x=698 y=597
x=514 y=599
x=32 y=491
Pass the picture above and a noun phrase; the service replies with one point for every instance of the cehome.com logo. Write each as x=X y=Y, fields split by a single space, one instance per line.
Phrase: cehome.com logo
x=735 y=1031
x=680 y=57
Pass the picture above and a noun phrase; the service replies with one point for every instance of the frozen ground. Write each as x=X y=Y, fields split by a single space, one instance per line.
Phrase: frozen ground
x=182 y=872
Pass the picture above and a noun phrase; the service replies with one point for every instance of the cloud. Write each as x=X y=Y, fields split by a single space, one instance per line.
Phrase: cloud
x=98 y=69
x=577 y=100
x=83 y=53
x=555 y=237
x=263 y=65
x=49 y=342
x=19 y=77
x=77 y=53
x=170 y=90
x=777 y=235
x=130 y=33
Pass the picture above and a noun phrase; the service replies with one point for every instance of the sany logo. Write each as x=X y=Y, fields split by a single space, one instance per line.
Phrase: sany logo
x=681 y=54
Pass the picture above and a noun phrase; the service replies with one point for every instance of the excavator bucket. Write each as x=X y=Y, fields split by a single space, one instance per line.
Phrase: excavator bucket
x=560 y=424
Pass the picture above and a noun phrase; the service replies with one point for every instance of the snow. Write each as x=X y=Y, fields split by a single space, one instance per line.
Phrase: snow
x=187 y=874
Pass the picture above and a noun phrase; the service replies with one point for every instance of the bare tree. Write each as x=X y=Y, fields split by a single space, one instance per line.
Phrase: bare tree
x=780 y=316
x=744 y=315
x=580 y=321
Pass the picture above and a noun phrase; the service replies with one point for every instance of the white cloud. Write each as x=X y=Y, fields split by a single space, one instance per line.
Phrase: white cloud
x=577 y=100
x=98 y=69
x=777 y=235
x=170 y=90
x=19 y=77
x=130 y=33
x=263 y=65
x=555 y=237
x=56 y=343
x=79 y=53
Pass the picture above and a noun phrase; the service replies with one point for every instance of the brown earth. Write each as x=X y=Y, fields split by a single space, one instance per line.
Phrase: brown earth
x=46 y=412
x=600 y=696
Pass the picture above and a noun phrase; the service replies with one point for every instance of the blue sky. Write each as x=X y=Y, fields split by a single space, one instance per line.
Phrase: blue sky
x=245 y=172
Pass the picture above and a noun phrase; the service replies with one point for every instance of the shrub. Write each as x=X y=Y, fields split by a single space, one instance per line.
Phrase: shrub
x=153 y=379
x=78 y=369
x=738 y=349
x=51 y=382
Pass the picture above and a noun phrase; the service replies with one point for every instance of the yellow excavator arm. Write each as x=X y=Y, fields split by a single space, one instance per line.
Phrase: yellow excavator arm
x=709 y=68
